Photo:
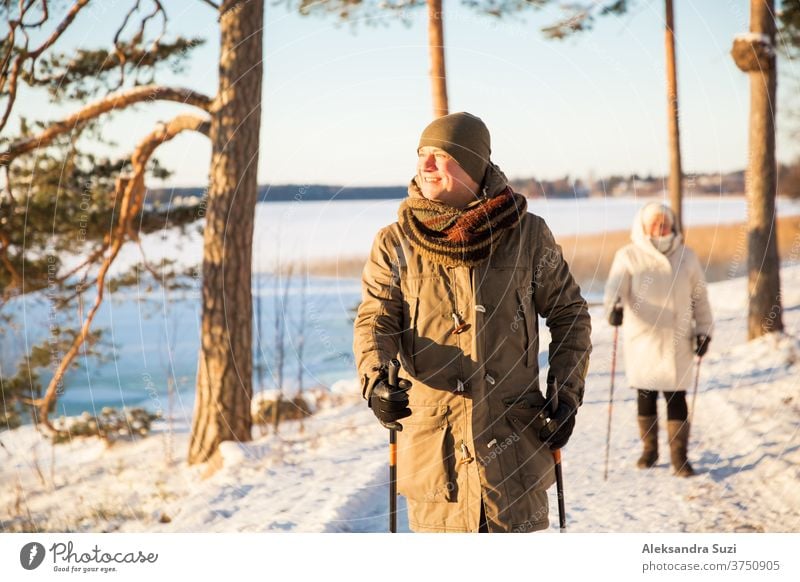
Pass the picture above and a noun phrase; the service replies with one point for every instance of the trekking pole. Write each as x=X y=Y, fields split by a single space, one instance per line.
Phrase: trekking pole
x=562 y=512
x=394 y=367
x=694 y=392
x=696 y=381
x=611 y=397
x=552 y=396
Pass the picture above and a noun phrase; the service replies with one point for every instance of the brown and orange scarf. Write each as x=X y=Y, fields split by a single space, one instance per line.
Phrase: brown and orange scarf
x=458 y=236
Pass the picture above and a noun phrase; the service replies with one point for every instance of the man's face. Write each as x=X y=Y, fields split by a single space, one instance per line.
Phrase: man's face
x=441 y=178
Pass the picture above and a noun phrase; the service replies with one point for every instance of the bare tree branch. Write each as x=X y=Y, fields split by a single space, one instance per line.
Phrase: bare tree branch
x=63 y=25
x=43 y=19
x=15 y=58
x=13 y=23
x=117 y=49
x=112 y=102
x=139 y=35
x=132 y=190
x=25 y=55
x=12 y=90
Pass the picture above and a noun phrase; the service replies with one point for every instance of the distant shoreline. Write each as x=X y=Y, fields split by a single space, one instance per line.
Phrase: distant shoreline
x=337 y=193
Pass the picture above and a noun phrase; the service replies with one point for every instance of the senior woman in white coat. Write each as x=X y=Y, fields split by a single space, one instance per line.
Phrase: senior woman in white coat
x=657 y=291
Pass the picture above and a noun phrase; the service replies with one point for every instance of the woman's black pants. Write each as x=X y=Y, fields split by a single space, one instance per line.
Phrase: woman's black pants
x=676 y=404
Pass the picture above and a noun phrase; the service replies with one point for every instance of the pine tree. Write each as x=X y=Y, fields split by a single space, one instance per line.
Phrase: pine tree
x=225 y=371
x=59 y=198
x=755 y=54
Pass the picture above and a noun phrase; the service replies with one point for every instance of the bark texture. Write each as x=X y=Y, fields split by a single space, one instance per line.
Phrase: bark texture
x=436 y=44
x=225 y=368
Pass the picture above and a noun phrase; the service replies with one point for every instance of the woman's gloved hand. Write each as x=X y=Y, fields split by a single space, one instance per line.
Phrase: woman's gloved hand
x=702 y=345
x=615 y=316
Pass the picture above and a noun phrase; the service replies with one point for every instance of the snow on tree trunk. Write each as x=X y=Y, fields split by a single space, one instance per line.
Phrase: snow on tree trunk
x=436 y=45
x=754 y=54
x=225 y=369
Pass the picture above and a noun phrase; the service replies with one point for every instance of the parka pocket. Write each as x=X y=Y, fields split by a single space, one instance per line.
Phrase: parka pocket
x=527 y=322
x=425 y=455
x=408 y=335
x=535 y=468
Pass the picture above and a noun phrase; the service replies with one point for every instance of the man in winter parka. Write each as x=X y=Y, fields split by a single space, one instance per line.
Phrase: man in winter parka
x=455 y=288
x=657 y=291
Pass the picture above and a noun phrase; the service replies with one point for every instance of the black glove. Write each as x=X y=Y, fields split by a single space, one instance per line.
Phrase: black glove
x=389 y=403
x=557 y=431
x=702 y=345
x=615 y=316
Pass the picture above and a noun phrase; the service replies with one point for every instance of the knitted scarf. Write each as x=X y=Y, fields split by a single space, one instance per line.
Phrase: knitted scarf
x=458 y=236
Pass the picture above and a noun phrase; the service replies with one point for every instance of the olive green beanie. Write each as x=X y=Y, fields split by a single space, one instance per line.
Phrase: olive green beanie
x=463 y=136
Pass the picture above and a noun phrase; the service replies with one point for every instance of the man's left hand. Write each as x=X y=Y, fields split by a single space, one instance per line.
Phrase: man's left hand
x=556 y=433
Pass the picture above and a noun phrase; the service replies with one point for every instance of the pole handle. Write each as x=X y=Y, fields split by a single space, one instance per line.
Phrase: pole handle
x=394 y=369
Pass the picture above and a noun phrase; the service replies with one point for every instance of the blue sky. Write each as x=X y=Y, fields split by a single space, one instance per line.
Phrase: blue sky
x=347 y=108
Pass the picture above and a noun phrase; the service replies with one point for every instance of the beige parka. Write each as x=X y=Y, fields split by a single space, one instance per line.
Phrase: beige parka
x=665 y=305
x=461 y=441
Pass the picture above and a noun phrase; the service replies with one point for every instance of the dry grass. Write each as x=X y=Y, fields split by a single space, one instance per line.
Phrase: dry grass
x=721 y=248
x=340 y=267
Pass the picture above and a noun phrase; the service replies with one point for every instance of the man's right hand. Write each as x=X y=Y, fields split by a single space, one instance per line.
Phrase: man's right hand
x=390 y=403
x=615 y=316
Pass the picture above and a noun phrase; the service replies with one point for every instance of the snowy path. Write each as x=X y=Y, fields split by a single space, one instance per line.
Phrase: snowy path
x=745 y=443
x=332 y=477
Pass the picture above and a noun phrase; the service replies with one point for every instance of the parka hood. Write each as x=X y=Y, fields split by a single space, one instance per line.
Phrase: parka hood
x=641 y=238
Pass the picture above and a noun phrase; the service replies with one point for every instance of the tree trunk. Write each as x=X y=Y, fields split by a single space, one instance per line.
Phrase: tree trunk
x=763 y=263
x=673 y=127
x=225 y=369
x=436 y=45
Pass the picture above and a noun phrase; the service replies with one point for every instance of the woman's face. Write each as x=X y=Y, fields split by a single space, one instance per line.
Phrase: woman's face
x=660 y=225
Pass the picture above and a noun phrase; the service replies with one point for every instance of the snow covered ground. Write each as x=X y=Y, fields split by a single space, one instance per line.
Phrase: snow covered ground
x=332 y=476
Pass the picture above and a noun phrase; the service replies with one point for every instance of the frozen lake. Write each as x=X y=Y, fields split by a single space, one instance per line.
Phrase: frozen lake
x=151 y=337
x=313 y=231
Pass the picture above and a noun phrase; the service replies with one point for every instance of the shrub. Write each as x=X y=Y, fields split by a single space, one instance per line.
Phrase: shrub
x=111 y=425
x=295 y=409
